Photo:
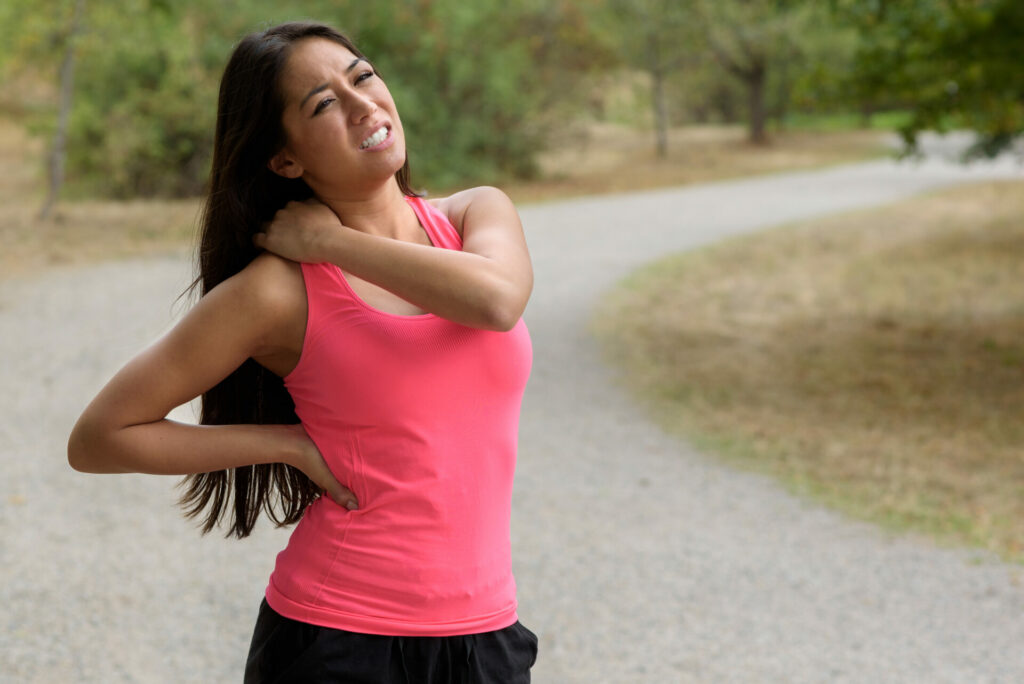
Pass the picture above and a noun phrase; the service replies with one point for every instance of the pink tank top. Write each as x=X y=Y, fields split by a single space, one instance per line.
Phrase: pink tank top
x=419 y=416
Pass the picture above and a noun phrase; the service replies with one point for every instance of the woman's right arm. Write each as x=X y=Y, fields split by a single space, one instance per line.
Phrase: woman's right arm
x=125 y=429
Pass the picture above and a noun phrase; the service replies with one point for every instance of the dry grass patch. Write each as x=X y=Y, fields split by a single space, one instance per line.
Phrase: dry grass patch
x=78 y=232
x=874 y=360
x=82 y=232
x=603 y=158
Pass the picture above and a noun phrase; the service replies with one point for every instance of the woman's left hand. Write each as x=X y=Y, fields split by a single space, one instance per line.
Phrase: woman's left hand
x=300 y=231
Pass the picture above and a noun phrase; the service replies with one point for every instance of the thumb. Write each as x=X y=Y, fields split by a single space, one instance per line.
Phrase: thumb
x=343 y=497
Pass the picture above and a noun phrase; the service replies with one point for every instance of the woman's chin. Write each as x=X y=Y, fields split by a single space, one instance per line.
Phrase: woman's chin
x=383 y=164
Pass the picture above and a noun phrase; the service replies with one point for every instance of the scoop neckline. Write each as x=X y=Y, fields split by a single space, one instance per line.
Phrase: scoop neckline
x=369 y=307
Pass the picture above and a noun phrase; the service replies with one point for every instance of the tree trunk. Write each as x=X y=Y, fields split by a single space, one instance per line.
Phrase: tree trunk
x=656 y=70
x=755 y=91
x=782 y=93
x=57 y=153
x=867 y=110
x=660 y=113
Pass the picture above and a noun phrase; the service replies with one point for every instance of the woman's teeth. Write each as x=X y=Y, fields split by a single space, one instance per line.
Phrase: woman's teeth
x=375 y=139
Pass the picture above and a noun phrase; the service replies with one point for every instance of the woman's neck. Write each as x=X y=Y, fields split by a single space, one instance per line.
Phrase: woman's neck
x=384 y=213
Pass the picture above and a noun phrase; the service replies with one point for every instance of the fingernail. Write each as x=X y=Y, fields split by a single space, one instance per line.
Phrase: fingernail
x=352 y=505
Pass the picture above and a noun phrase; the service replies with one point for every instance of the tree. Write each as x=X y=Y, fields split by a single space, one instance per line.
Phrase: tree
x=38 y=47
x=660 y=38
x=480 y=85
x=954 y=63
x=750 y=38
x=67 y=70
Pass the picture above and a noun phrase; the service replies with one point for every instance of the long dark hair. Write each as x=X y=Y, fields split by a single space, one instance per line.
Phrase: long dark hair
x=243 y=194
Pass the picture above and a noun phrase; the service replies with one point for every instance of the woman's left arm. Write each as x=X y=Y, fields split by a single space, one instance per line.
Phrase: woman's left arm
x=485 y=286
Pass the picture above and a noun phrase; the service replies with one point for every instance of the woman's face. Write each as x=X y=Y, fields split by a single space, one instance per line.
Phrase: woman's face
x=342 y=131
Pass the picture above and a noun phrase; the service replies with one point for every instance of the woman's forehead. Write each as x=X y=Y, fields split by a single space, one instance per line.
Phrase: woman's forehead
x=313 y=61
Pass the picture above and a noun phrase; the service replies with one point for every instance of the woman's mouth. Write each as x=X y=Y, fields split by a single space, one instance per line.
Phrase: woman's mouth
x=378 y=137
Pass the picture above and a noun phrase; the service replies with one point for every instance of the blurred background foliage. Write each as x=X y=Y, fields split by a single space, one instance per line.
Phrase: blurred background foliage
x=954 y=63
x=484 y=87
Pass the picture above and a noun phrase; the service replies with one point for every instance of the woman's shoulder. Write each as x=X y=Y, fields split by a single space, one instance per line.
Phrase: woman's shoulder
x=456 y=205
x=270 y=284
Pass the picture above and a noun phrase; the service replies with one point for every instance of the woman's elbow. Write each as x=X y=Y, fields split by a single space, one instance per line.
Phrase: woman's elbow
x=500 y=300
x=504 y=313
x=78 y=449
x=503 y=321
x=84 y=444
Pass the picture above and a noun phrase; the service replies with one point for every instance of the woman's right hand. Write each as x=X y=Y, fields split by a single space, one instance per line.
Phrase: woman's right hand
x=310 y=461
x=299 y=231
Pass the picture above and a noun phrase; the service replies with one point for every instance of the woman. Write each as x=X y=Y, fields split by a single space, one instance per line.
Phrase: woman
x=372 y=351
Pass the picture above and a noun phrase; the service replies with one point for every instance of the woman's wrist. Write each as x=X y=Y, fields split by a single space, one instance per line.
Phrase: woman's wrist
x=295 y=447
x=302 y=453
x=335 y=244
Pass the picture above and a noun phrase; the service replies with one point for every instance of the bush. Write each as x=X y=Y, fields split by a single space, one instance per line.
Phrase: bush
x=478 y=85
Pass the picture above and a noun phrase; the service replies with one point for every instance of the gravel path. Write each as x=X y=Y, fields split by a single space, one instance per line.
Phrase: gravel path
x=638 y=559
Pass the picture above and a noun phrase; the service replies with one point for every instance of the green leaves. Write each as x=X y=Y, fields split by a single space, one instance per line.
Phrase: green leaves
x=480 y=86
x=955 y=63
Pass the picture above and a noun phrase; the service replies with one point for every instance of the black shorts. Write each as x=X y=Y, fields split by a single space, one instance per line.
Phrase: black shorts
x=286 y=651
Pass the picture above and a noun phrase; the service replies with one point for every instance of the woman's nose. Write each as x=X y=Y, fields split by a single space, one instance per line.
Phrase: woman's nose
x=361 y=107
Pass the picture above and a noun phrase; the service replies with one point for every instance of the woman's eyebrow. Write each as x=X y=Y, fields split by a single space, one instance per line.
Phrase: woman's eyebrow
x=323 y=86
x=311 y=93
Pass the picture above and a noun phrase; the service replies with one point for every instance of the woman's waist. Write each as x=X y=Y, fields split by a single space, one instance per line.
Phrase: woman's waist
x=368 y=556
x=402 y=534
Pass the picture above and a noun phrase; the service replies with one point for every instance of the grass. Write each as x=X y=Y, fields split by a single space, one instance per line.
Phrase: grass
x=881 y=121
x=85 y=232
x=597 y=159
x=78 y=232
x=607 y=158
x=873 y=361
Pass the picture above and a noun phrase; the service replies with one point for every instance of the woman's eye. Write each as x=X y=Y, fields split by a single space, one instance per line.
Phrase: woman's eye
x=323 y=103
x=363 y=76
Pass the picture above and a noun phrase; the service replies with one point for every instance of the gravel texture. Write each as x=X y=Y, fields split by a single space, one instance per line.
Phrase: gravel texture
x=638 y=559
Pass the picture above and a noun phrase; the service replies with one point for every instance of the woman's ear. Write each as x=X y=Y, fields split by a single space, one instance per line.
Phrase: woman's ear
x=283 y=165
